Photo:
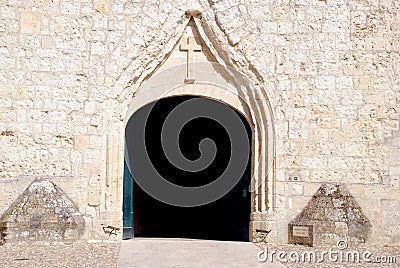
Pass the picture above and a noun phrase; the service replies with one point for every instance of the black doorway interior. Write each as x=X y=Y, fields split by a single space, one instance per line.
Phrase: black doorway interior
x=224 y=219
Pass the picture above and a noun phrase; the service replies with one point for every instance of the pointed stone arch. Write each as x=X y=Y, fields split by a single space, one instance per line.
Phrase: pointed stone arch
x=219 y=81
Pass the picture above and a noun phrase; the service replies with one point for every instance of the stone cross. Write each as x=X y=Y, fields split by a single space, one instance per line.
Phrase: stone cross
x=190 y=47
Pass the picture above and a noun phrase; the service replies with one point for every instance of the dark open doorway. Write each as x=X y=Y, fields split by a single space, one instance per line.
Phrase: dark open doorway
x=224 y=219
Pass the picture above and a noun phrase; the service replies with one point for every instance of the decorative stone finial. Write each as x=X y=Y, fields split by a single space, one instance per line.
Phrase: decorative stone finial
x=193 y=13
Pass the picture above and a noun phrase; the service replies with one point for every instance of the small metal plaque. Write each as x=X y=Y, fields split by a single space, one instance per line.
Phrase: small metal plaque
x=301 y=234
x=301 y=231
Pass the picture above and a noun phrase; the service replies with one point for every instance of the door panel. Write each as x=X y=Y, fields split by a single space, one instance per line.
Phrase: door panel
x=128 y=219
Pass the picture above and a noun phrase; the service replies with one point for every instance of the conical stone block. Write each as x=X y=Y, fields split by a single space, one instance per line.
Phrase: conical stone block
x=43 y=212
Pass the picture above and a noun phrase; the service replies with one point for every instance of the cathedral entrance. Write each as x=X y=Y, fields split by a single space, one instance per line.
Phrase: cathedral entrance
x=226 y=218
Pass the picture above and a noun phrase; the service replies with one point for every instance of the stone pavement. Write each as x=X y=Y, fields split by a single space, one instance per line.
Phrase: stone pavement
x=148 y=252
x=158 y=252
x=59 y=255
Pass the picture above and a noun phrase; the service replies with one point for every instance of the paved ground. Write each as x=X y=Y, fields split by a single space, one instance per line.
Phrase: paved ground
x=202 y=253
x=59 y=255
x=174 y=253
x=149 y=252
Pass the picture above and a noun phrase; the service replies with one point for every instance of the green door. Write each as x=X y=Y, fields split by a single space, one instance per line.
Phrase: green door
x=128 y=231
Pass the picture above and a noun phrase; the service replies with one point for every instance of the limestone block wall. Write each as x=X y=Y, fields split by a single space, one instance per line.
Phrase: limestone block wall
x=330 y=70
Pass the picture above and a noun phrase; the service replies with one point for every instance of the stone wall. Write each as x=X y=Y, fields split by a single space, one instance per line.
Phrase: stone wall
x=330 y=69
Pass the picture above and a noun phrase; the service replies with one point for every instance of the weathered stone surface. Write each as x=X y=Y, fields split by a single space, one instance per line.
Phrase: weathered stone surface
x=101 y=6
x=333 y=215
x=390 y=212
x=42 y=212
x=30 y=23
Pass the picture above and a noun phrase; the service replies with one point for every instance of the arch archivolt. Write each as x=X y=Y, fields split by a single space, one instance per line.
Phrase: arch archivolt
x=241 y=97
x=215 y=80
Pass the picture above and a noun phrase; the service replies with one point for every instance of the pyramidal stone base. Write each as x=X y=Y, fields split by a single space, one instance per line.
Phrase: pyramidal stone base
x=332 y=216
x=43 y=212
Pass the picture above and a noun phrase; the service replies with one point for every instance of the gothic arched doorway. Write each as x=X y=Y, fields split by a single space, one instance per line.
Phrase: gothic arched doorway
x=227 y=218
